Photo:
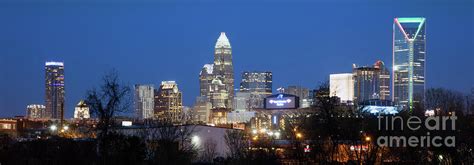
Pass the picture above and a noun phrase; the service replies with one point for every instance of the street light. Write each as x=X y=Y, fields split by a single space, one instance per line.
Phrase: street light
x=299 y=135
x=53 y=127
x=66 y=128
x=367 y=138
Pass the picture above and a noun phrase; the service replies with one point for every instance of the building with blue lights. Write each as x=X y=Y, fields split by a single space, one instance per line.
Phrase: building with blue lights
x=409 y=55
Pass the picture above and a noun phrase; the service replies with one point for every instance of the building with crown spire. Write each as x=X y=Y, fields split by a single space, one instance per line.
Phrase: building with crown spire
x=223 y=69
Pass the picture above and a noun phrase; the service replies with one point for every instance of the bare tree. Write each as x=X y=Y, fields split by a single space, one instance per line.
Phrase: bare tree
x=168 y=143
x=208 y=152
x=110 y=98
x=237 y=144
x=445 y=100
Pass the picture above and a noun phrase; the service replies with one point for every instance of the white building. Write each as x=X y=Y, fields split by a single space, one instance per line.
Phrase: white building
x=342 y=86
x=81 y=111
x=144 y=101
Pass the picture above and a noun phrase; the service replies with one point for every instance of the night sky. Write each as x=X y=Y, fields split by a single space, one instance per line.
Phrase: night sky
x=149 y=41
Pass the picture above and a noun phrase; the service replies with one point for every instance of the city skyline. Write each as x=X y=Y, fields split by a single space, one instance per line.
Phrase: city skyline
x=83 y=70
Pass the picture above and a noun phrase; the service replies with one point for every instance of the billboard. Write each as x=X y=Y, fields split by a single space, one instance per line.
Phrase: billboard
x=281 y=101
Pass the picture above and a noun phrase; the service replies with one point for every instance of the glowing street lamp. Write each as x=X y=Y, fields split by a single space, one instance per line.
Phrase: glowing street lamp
x=299 y=135
x=53 y=127
x=65 y=128
x=367 y=138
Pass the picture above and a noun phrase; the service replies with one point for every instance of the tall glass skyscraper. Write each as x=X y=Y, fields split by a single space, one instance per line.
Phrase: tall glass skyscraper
x=223 y=69
x=409 y=54
x=144 y=102
x=54 y=90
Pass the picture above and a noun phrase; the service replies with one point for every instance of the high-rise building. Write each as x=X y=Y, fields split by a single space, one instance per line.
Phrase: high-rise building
x=35 y=111
x=256 y=81
x=202 y=109
x=54 y=90
x=301 y=92
x=409 y=55
x=223 y=69
x=81 y=111
x=144 y=101
x=168 y=102
x=371 y=82
x=205 y=79
x=242 y=101
x=258 y=85
x=342 y=86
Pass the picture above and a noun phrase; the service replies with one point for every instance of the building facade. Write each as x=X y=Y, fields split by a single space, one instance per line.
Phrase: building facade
x=223 y=69
x=55 y=92
x=409 y=55
x=205 y=79
x=144 y=101
x=168 y=102
x=301 y=92
x=371 y=82
x=202 y=109
x=81 y=111
x=258 y=85
x=35 y=111
x=342 y=86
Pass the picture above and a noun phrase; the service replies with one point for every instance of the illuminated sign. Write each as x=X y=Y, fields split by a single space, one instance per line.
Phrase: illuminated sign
x=126 y=123
x=281 y=101
x=52 y=63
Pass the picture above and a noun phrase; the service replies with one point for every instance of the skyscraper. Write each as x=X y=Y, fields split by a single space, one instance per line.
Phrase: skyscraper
x=35 y=111
x=258 y=85
x=144 y=101
x=223 y=69
x=301 y=92
x=54 y=90
x=168 y=102
x=371 y=82
x=205 y=79
x=409 y=54
x=81 y=111
x=342 y=86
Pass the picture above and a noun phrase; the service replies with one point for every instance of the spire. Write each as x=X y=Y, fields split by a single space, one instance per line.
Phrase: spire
x=222 y=41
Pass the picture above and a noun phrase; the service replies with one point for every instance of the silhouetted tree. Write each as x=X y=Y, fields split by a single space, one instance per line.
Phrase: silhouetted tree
x=111 y=98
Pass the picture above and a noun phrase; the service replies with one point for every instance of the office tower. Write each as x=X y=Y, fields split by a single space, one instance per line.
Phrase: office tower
x=144 y=101
x=409 y=54
x=342 y=86
x=202 y=109
x=81 y=111
x=168 y=102
x=54 y=90
x=371 y=82
x=205 y=80
x=301 y=92
x=219 y=97
x=242 y=101
x=223 y=69
x=256 y=81
x=259 y=85
x=35 y=111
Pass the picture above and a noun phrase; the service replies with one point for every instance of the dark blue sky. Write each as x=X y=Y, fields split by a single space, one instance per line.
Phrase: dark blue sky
x=148 y=41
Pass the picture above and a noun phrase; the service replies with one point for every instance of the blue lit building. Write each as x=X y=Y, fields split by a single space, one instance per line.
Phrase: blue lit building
x=409 y=54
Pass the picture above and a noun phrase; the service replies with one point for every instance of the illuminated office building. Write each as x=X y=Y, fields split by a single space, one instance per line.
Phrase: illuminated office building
x=258 y=85
x=144 y=101
x=168 y=102
x=223 y=69
x=55 y=93
x=371 y=82
x=409 y=54
x=205 y=80
x=342 y=86
x=81 y=111
x=35 y=111
x=202 y=109
x=301 y=92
